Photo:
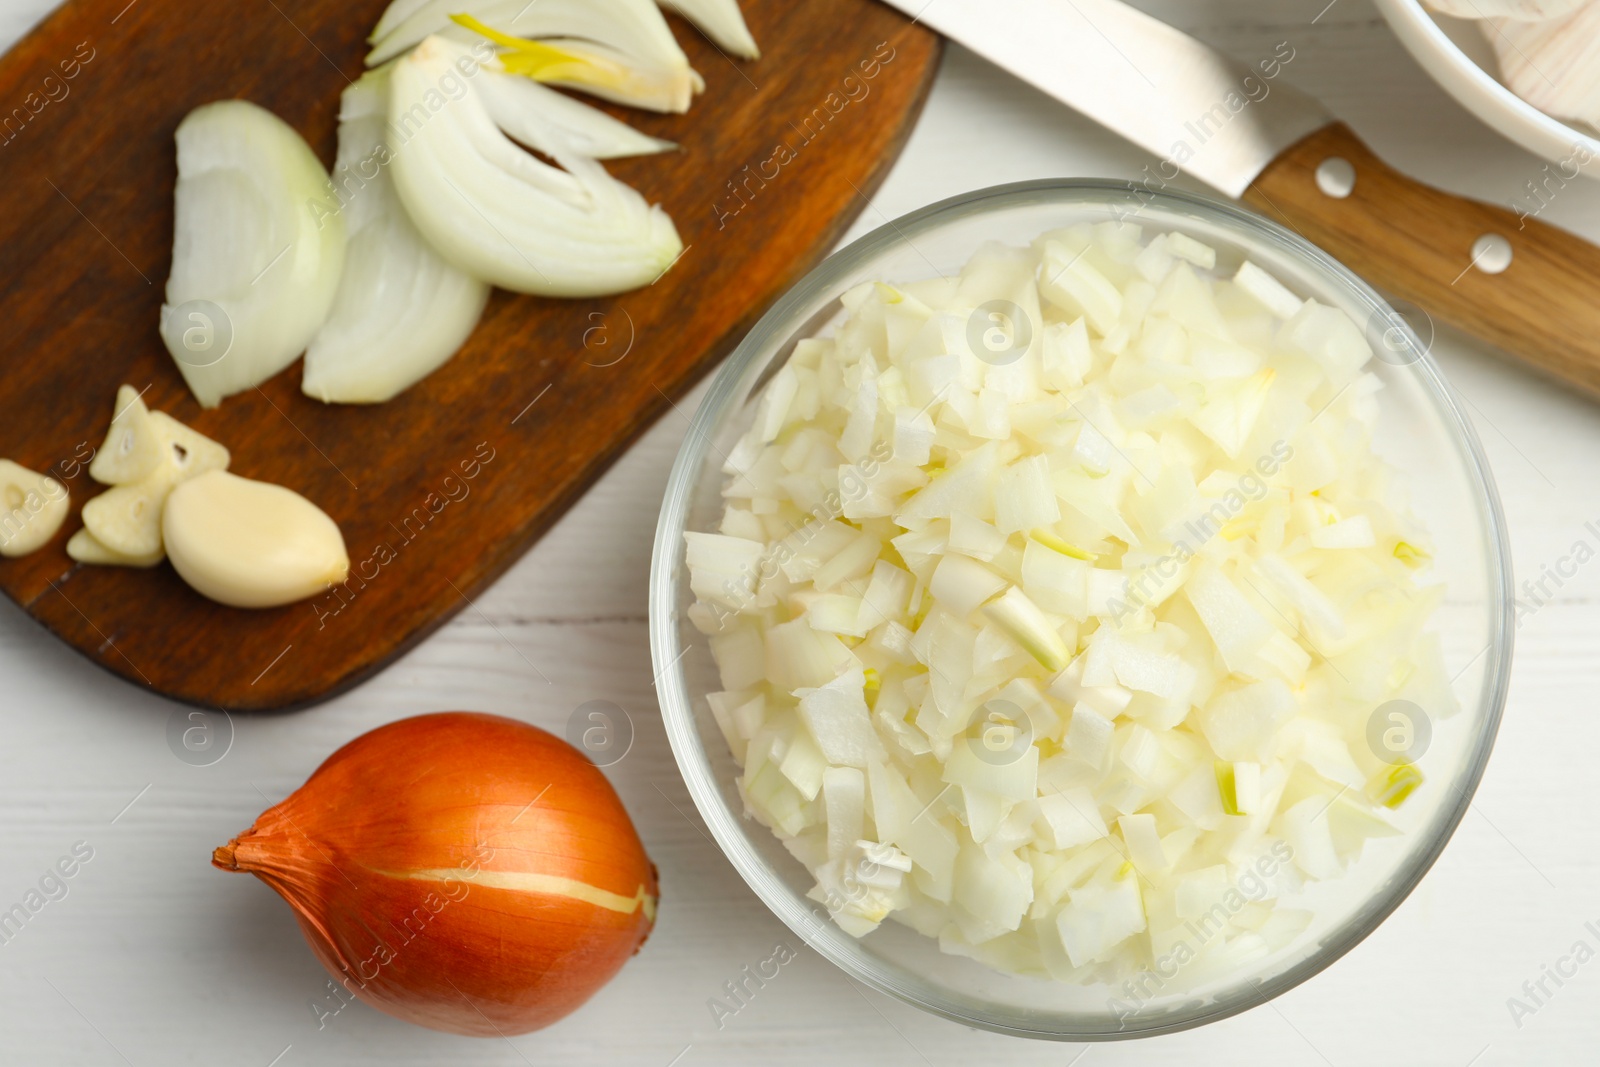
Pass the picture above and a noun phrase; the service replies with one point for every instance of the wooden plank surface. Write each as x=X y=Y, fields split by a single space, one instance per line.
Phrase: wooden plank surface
x=542 y=398
x=157 y=958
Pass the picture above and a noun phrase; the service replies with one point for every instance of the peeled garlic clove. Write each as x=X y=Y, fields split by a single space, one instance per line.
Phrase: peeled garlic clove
x=84 y=547
x=32 y=508
x=1553 y=65
x=251 y=544
x=189 y=451
x=1526 y=10
x=132 y=449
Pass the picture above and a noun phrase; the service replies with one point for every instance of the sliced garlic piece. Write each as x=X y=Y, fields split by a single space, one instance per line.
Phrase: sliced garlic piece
x=132 y=449
x=126 y=519
x=32 y=508
x=1553 y=65
x=84 y=547
x=188 y=450
x=251 y=544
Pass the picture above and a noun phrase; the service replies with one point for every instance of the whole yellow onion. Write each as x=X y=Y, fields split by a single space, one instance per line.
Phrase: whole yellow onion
x=465 y=872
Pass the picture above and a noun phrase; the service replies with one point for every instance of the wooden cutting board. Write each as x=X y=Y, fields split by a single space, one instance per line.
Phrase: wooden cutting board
x=442 y=489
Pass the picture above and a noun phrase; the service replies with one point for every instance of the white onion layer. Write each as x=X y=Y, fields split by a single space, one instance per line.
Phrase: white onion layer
x=720 y=20
x=401 y=310
x=629 y=32
x=259 y=237
x=502 y=215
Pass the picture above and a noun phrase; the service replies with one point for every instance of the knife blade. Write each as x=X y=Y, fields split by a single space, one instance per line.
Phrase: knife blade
x=1181 y=100
x=1517 y=282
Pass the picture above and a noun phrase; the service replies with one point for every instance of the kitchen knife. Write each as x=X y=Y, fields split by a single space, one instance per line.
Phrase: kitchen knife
x=1516 y=282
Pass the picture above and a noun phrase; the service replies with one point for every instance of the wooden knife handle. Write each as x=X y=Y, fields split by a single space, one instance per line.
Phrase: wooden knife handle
x=1417 y=243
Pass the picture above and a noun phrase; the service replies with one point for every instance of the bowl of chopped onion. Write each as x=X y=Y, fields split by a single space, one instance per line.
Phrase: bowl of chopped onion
x=1081 y=612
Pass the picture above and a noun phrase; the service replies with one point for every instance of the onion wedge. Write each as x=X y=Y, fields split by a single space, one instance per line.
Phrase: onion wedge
x=523 y=108
x=257 y=251
x=501 y=214
x=393 y=15
x=719 y=20
x=619 y=50
x=401 y=310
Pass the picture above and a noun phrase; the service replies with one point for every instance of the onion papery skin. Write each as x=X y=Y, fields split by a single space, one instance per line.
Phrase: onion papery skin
x=465 y=872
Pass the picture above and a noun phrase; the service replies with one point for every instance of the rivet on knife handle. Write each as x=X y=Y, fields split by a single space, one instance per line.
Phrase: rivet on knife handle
x=1526 y=286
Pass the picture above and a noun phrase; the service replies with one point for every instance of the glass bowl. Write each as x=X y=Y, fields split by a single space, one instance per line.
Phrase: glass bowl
x=1421 y=431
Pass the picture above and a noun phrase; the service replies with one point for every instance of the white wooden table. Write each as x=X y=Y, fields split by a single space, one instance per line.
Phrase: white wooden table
x=153 y=958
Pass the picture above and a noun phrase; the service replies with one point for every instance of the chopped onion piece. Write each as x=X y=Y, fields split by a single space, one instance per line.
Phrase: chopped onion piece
x=1271 y=293
x=1124 y=578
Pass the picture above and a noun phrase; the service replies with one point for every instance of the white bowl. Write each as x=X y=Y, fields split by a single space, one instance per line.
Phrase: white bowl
x=1458 y=56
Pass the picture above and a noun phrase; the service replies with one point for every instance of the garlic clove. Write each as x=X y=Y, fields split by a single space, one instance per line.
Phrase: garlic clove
x=84 y=547
x=251 y=544
x=1525 y=10
x=132 y=449
x=1553 y=65
x=32 y=508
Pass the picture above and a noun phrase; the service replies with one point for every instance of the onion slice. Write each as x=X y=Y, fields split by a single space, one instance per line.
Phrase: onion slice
x=628 y=36
x=719 y=20
x=504 y=216
x=523 y=108
x=401 y=310
x=393 y=15
x=257 y=252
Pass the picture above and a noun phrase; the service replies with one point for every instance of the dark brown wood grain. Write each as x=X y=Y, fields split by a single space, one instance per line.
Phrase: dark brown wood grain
x=530 y=409
x=1416 y=242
